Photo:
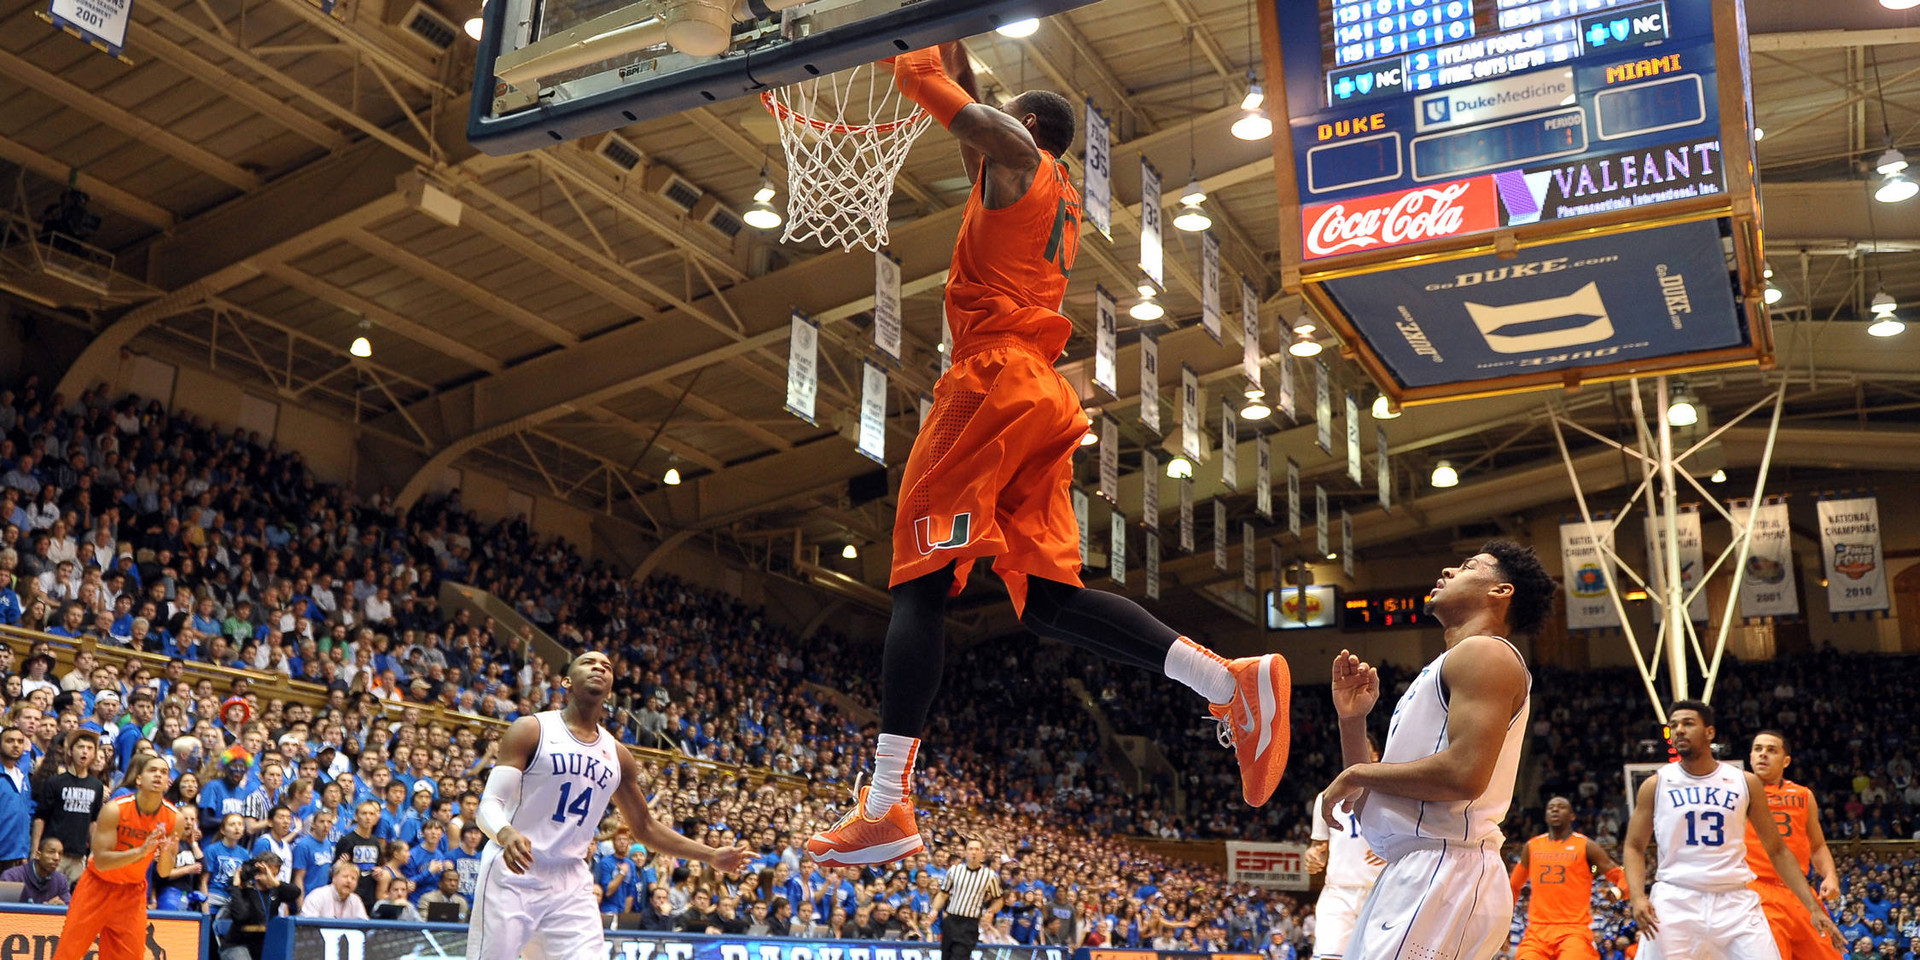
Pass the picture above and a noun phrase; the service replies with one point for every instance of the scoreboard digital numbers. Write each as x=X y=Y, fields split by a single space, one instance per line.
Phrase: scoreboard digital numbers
x=1386 y=610
x=1478 y=140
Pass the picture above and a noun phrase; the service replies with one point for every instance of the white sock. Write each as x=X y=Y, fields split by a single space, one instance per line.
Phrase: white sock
x=1201 y=669
x=892 y=772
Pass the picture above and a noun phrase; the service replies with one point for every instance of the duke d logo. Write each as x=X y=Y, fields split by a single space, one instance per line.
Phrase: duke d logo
x=959 y=533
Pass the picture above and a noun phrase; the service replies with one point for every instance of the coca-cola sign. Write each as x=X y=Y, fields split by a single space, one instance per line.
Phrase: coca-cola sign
x=1407 y=216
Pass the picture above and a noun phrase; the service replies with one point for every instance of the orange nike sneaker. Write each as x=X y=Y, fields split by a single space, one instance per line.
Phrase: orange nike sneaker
x=1258 y=723
x=858 y=841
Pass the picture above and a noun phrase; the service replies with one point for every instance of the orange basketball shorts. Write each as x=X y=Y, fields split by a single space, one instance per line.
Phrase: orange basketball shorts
x=115 y=914
x=1557 y=941
x=1792 y=927
x=991 y=471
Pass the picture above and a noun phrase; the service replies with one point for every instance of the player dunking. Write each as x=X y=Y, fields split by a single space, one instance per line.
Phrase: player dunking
x=1697 y=811
x=1796 y=817
x=1560 y=864
x=1432 y=806
x=1351 y=870
x=989 y=476
x=557 y=770
x=110 y=902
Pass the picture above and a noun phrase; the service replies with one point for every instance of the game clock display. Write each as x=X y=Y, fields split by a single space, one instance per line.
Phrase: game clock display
x=1386 y=610
x=1506 y=105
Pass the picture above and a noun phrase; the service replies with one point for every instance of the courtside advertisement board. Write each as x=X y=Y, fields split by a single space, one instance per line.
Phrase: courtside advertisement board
x=1282 y=866
x=312 y=939
x=33 y=933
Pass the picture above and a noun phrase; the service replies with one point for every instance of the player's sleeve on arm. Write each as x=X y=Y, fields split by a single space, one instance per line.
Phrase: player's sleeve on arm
x=1518 y=878
x=1319 y=820
x=503 y=787
x=922 y=78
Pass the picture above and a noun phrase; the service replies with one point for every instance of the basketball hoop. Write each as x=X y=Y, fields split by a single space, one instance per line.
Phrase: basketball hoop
x=846 y=136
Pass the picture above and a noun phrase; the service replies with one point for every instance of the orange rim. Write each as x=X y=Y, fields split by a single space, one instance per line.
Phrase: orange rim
x=784 y=112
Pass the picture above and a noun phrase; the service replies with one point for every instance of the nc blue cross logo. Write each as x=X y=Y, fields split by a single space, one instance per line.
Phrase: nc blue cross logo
x=1365 y=82
x=1597 y=35
x=1343 y=88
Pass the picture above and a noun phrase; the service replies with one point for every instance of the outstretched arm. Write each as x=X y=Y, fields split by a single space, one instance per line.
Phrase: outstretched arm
x=952 y=100
x=631 y=801
x=1603 y=865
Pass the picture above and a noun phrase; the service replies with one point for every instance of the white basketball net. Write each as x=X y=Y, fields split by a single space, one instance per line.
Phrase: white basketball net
x=846 y=136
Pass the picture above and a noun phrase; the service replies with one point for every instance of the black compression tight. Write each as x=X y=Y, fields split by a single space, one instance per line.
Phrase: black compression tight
x=1104 y=623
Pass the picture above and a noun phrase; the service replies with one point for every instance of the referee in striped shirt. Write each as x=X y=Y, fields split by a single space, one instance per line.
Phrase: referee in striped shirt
x=967 y=888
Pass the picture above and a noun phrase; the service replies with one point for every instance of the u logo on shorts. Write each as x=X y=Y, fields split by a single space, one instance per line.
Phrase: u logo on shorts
x=959 y=533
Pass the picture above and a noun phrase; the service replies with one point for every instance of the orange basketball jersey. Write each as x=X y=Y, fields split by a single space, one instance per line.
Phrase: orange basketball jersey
x=134 y=828
x=1010 y=265
x=1790 y=803
x=1562 y=881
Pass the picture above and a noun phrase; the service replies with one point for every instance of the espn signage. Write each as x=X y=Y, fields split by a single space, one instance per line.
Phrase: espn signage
x=1282 y=866
x=1406 y=216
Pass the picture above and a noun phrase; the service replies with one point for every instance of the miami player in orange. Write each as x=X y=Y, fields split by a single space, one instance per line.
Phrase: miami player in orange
x=1560 y=864
x=110 y=901
x=1796 y=815
x=989 y=476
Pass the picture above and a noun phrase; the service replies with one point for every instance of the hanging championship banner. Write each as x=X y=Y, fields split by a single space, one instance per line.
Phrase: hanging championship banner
x=1106 y=342
x=1353 y=439
x=1097 y=198
x=1287 y=405
x=1589 y=606
x=1150 y=224
x=1850 y=547
x=1186 y=515
x=1190 y=413
x=1150 y=489
x=1153 y=563
x=1382 y=469
x=1321 y=536
x=1293 y=498
x=1249 y=565
x=1109 y=459
x=926 y=409
x=803 y=373
x=1249 y=332
x=1692 y=558
x=1323 y=407
x=1263 y=477
x=873 y=412
x=886 y=304
x=1229 y=446
x=1767 y=585
x=1210 y=285
x=1081 y=508
x=1220 y=535
x=946 y=339
x=1117 y=548
x=1346 y=543
x=102 y=23
x=1150 y=382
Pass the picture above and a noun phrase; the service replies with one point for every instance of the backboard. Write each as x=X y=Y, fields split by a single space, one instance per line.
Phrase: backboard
x=548 y=71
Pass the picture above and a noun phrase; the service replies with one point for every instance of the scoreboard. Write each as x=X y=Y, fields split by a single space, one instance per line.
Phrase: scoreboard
x=1386 y=610
x=1483 y=196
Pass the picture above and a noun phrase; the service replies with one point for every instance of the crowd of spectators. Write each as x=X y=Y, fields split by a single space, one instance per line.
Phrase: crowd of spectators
x=126 y=528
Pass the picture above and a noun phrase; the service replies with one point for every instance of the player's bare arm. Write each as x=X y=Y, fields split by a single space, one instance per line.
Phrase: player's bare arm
x=166 y=860
x=1784 y=865
x=1821 y=856
x=631 y=801
x=1603 y=866
x=1486 y=686
x=1356 y=688
x=503 y=793
x=1317 y=856
x=984 y=132
x=1634 y=852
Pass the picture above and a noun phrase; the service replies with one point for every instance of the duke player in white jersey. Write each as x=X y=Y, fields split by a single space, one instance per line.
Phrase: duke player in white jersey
x=535 y=898
x=1351 y=870
x=1432 y=806
x=1696 y=810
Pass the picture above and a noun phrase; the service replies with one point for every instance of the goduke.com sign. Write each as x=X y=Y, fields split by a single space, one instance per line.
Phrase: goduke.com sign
x=415 y=941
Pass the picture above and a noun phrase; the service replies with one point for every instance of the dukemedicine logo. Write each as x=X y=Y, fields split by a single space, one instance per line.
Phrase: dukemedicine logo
x=1407 y=216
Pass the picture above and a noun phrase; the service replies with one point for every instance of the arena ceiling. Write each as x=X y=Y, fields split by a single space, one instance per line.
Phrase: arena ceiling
x=263 y=171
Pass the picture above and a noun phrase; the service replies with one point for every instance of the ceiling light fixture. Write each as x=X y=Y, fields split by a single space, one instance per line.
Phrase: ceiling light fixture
x=1383 y=409
x=1445 y=476
x=1089 y=438
x=1256 y=406
x=362 y=347
x=1683 y=408
x=1900 y=4
x=1774 y=294
x=672 y=477
x=1896 y=189
x=850 y=552
x=1193 y=216
x=1180 y=468
x=1304 y=345
x=1719 y=476
x=1255 y=96
x=1759 y=134
x=1253 y=125
x=1890 y=163
x=1887 y=326
x=1019 y=29
x=475 y=25
x=1147 y=308
x=1883 y=303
